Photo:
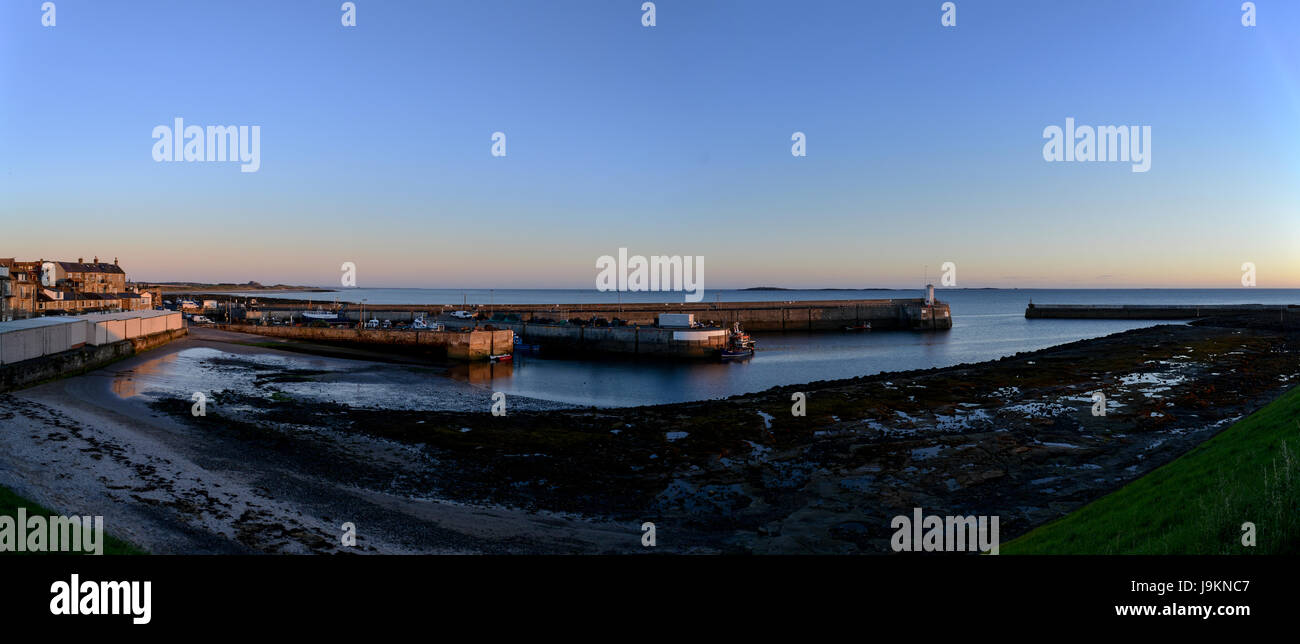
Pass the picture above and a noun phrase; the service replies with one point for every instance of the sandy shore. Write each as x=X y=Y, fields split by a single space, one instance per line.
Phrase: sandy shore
x=172 y=487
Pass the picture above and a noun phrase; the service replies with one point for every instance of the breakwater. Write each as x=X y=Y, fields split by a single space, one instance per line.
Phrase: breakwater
x=821 y=315
x=693 y=343
x=474 y=344
x=1157 y=311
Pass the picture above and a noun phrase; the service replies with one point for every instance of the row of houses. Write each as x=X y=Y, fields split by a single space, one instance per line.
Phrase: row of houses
x=34 y=289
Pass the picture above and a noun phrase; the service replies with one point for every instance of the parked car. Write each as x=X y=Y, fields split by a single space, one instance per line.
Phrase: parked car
x=373 y=324
x=199 y=319
x=464 y=315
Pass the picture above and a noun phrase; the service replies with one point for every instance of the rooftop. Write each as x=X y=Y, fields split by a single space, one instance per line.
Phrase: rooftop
x=90 y=267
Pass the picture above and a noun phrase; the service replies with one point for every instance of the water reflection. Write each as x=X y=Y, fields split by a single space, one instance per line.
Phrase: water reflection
x=124 y=382
x=482 y=372
x=782 y=359
x=786 y=359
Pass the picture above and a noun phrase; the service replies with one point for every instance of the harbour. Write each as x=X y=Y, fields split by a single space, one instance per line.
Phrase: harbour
x=917 y=314
x=682 y=331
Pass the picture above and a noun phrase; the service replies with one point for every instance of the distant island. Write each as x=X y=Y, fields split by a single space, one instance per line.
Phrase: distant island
x=780 y=288
x=875 y=288
x=186 y=287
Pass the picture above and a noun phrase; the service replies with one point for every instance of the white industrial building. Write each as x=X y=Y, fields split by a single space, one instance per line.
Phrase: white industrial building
x=35 y=337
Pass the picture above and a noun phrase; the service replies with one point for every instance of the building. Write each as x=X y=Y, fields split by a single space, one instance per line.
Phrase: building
x=94 y=277
x=64 y=302
x=57 y=288
x=5 y=290
x=19 y=290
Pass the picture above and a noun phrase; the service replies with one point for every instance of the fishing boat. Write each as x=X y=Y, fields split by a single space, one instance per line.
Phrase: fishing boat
x=739 y=344
x=327 y=317
x=862 y=326
x=504 y=357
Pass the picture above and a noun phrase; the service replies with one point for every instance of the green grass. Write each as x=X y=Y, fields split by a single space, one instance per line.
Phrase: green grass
x=10 y=502
x=1197 y=503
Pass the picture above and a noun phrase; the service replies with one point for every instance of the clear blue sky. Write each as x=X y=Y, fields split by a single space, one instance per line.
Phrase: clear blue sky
x=924 y=142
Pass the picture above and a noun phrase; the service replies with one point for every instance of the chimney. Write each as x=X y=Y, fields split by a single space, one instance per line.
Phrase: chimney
x=81 y=260
x=115 y=261
x=96 y=260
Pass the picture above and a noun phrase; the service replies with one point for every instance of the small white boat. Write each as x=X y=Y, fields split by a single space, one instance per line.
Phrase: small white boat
x=421 y=325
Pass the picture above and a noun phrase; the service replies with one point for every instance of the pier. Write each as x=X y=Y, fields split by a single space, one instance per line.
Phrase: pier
x=825 y=315
x=693 y=343
x=472 y=344
x=629 y=329
x=913 y=314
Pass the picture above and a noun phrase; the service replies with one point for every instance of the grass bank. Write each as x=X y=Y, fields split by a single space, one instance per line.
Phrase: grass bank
x=10 y=502
x=1198 y=503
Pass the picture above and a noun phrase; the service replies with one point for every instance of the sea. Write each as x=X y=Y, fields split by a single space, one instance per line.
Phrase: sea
x=987 y=324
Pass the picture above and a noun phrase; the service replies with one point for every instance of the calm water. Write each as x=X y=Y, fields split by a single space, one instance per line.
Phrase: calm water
x=987 y=324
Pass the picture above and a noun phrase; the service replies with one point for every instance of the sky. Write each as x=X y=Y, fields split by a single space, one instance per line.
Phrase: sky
x=924 y=143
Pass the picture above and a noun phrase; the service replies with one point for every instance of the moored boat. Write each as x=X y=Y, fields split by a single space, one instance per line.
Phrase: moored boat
x=739 y=344
x=521 y=346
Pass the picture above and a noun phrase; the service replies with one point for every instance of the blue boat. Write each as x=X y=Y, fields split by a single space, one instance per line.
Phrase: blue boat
x=520 y=346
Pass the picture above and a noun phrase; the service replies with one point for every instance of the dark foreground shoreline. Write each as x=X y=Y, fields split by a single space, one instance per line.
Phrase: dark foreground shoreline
x=1014 y=437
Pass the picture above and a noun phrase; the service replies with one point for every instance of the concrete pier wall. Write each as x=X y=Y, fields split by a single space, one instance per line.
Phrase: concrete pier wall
x=823 y=315
x=478 y=344
x=643 y=341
